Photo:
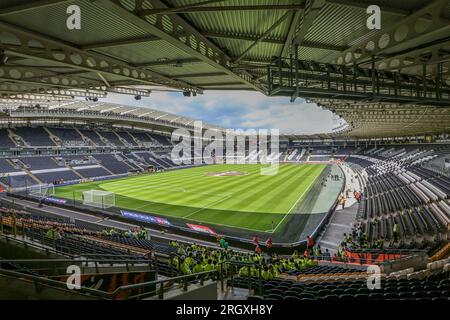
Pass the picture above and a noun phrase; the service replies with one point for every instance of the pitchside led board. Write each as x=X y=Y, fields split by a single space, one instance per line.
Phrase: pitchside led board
x=202 y=229
x=145 y=218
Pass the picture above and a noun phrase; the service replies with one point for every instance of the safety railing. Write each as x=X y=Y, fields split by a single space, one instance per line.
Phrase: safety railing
x=125 y=292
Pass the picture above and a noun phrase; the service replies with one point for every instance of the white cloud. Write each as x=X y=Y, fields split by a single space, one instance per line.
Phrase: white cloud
x=239 y=109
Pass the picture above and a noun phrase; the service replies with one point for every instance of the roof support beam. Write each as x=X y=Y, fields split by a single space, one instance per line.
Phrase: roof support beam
x=307 y=44
x=430 y=55
x=182 y=35
x=220 y=35
x=180 y=8
x=31 y=5
x=40 y=88
x=211 y=84
x=118 y=43
x=176 y=62
x=312 y=10
x=291 y=33
x=55 y=51
x=191 y=9
x=263 y=36
x=362 y=5
x=199 y=75
x=396 y=35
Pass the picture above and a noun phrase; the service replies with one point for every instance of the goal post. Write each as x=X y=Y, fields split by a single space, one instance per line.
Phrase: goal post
x=99 y=199
x=41 y=190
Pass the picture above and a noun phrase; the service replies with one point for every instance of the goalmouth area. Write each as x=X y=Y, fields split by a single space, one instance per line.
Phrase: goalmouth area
x=230 y=196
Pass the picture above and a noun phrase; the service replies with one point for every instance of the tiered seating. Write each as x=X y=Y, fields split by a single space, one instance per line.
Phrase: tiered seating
x=124 y=135
x=144 y=243
x=5 y=166
x=110 y=162
x=39 y=163
x=57 y=177
x=93 y=172
x=93 y=137
x=141 y=136
x=68 y=137
x=359 y=161
x=36 y=137
x=433 y=288
x=432 y=177
x=161 y=139
x=19 y=181
x=111 y=137
x=398 y=190
x=5 y=141
x=148 y=159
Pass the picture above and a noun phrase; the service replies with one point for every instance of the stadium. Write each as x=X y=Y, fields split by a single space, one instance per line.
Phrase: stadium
x=107 y=195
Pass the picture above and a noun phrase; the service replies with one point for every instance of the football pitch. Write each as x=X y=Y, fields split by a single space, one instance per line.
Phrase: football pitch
x=232 y=195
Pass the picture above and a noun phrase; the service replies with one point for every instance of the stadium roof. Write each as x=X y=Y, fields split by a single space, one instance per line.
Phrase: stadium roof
x=193 y=45
x=100 y=113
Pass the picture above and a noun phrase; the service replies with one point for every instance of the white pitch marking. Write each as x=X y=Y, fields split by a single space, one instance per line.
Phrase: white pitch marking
x=207 y=206
x=289 y=212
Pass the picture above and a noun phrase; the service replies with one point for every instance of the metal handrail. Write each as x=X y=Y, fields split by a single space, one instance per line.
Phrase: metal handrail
x=112 y=294
x=35 y=244
x=67 y=260
x=387 y=250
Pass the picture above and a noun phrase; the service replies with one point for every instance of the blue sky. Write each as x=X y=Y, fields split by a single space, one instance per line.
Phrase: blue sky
x=239 y=109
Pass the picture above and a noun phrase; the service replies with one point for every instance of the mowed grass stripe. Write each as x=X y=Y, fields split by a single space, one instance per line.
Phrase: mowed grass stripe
x=225 y=186
x=197 y=190
x=236 y=185
x=258 y=190
x=144 y=204
x=294 y=185
x=266 y=198
x=201 y=186
x=164 y=182
x=239 y=187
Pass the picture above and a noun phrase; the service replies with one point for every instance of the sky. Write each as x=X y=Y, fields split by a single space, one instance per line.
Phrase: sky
x=238 y=110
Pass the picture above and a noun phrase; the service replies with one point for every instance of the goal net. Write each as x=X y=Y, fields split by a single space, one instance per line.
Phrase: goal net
x=99 y=199
x=41 y=190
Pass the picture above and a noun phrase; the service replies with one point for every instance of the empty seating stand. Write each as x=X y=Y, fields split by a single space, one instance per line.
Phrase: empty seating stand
x=57 y=177
x=68 y=136
x=5 y=141
x=6 y=167
x=141 y=136
x=110 y=162
x=93 y=172
x=93 y=136
x=39 y=163
x=124 y=135
x=112 y=138
x=433 y=288
x=36 y=137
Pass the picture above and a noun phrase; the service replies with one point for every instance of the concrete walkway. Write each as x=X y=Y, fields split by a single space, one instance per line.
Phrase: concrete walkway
x=342 y=219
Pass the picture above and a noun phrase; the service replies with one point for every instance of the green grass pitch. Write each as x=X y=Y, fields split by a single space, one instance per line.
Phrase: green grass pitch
x=250 y=201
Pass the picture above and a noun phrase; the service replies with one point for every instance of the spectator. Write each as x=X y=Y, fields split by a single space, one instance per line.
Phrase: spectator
x=222 y=242
x=318 y=252
x=53 y=234
x=309 y=243
x=327 y=255
x=342 y=202
x=395 y=231
x=269 y=245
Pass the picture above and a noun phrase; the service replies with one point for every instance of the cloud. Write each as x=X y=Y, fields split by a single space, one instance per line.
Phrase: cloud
x=239 y=109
